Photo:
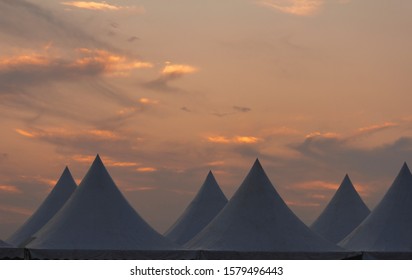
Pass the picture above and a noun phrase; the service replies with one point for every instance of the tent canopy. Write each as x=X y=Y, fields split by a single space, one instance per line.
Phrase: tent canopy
x=97 y=216
x=257 y=219
x=204 y=207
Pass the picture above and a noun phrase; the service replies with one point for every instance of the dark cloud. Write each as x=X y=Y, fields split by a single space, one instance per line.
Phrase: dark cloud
x=16 y=77
x=236 y=110
x=133 y=39
x=342 y=155
x=185 y=109
x=24 y=21
x=242 y=109
x=161 y=84
x=169 y=73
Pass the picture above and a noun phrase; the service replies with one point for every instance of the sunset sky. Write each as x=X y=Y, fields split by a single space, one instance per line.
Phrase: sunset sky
x=165 y=91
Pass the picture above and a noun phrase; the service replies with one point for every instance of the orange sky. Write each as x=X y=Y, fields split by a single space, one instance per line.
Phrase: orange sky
x=166 y=90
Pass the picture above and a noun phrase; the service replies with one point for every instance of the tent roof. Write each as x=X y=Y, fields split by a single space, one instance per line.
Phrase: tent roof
x=257 y=219
x=4 y=244
x=204 y=207
x=61 y=192
x=344 y=212
x=389 y=226
x=97 y=216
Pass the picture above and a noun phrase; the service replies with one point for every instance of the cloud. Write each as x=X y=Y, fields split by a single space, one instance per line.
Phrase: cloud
x=294 y=7
x=242 y=109
x=19 y=18
x=62 y=133
x=235 y=139
x=140 y=189
x=185 y=109
x=376 y=128
x=102 y=6
x=301 y=203
x=88 y=159
x=146 y=169
x=216 y=163
x=133 y=39
x=29 y=69
x=316 y=185
x=169 y=73
x=10 y=189
x=236 y=110
x=15 y=210
x=177 y=70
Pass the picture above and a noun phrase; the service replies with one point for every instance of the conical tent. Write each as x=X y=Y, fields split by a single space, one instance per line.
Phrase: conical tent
x=4 y=244
x=344 y=213
x=389 y=226
x=61 y=192
x=257 y=219
x=204 y=207
x=98 y=217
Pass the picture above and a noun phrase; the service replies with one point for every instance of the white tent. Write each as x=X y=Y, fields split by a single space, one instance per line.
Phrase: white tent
x=61 y=192
x=257 y=219
x=204 y=207
x=98 y=217
x=389 y=226
x=344 y=213
x=4 y=244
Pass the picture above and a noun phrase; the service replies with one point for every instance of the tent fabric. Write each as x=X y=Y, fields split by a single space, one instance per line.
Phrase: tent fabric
x=5 y=244
x=257 y=219
x=345 y=211
x=389 y=226
x=98 y=217
x=61 y=192
x=204 y=207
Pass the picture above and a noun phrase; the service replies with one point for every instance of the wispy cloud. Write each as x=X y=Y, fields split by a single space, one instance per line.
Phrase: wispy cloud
x=146 y=169
x=140 y=189
x=294 y=7
x=177 y=70
x=242 y=109
x=114 y=64
x=235 y=110
x=48 y=26
x=102 y=6
x=88 y=159
x=376 y=127
x=169 y=73
x=10 y=189
x=316 y=185
x=95 y=134
x=301 y=203
x=34 y=68
x=216 y=163
x=16 y=210
x=235 y=139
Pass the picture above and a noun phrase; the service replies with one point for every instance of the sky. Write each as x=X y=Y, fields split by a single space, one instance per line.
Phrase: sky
x=165 y=91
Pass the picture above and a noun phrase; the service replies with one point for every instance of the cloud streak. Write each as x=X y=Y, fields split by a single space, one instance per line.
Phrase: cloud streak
x=33 y=68
x=294 y=7
x=169 y=73
x=10 y=189
x=102 y=6
x=233 y=140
